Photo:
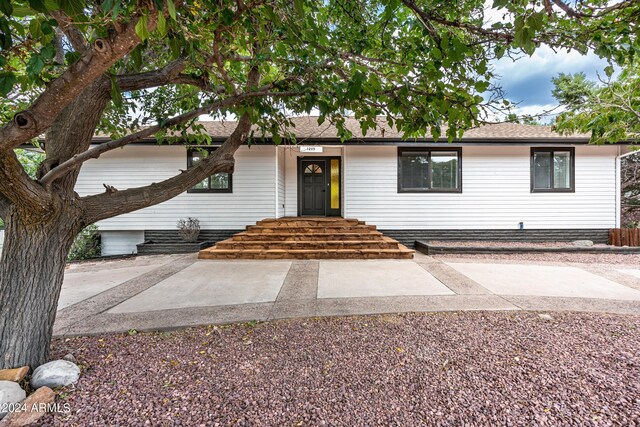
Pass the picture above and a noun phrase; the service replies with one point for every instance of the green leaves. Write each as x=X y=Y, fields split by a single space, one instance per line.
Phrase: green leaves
x=162 y=25
x=116 y=95
x=7 y=81
x=226 y=16
x=38 y=6
x=6 y=7
x=171 y=7
x=366 y=58
x=142 y=27
x=6 y=39
x=355 y=85
x=608 y=111
x=298 y=6
x=73 y=8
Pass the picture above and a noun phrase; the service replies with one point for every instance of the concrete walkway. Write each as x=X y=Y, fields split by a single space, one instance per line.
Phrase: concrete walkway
x=174 y=291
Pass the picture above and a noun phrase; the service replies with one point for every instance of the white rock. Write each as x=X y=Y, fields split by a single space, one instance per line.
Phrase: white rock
x=583 y=243
x=545 y=317
x=10 y=393
x=57 y=373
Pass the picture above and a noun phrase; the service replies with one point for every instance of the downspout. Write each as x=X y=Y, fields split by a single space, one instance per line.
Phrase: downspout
x=619 y=184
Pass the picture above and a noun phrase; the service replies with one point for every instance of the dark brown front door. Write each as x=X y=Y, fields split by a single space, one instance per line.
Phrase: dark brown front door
x=313 y=187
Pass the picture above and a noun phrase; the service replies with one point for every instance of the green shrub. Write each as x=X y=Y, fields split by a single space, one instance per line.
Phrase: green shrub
x=86 y=245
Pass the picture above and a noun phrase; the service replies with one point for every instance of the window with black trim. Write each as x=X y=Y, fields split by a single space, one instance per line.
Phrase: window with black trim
x=429 y=170
x=552 y=170
x=216 y=183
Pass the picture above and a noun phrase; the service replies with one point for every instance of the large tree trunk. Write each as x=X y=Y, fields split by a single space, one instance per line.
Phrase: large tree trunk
x=31 y=272
x=37 y=240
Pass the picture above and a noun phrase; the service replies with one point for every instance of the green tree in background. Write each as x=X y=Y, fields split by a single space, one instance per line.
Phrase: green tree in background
x=609 y=109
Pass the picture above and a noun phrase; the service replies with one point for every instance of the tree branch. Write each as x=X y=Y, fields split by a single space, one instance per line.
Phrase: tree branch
x=75 y=36
x=59 y=46
x=19 y=189
x=34 y=121
x=478 y=30
x=170 y=74
x=112 y=203
x=95 y=152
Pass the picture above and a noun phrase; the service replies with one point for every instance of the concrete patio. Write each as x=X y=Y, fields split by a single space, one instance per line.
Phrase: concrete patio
x=174 y=291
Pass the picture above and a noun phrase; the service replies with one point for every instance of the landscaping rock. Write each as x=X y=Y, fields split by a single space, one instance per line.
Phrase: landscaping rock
x=546 y=317
x=15 y=375
x=583 y=243
x=36 y=406
x=69 y=357
x=10 y=393
x=57 y=373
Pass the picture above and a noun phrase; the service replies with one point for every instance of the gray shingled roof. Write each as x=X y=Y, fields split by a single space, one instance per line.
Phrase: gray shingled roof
x=307 y=127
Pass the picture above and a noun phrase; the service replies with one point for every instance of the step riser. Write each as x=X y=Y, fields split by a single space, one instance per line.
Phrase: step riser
x=310 y=230
x=318 y=255
x=309 y=224
x=305 y=245
x=263 y=237
x=308 y=238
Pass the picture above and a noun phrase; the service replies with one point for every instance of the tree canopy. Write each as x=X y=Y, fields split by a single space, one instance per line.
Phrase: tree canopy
x=608 y=109
x=365 y=57
x=149 y=69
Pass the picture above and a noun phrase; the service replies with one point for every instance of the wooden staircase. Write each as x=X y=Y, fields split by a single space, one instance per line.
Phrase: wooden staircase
x=308 y=238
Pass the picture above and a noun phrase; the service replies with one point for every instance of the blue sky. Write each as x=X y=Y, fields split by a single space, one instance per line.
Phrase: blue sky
x=528 y=79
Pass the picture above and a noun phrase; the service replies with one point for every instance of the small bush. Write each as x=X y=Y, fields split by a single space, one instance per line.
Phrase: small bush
x=189 y=229
x=86 y=245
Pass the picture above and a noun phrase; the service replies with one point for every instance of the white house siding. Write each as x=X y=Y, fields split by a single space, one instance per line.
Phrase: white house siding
x=1 y=239
x=120 y=242
x=280 y=201
x=495 y=192
x=252 y=199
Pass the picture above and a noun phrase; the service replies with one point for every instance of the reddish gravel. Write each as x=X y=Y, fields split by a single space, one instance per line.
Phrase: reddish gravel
x=426 y=369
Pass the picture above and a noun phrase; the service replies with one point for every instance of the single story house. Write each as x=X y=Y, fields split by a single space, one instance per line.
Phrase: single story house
x=502 y=181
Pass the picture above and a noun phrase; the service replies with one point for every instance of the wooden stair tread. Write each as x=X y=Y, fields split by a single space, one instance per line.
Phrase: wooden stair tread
x=301 y=242
x=308 y=218
x=313 y=227
x=308 y=238
x=304 y=251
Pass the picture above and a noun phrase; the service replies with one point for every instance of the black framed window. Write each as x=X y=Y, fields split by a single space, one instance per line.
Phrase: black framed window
x=552 y=170
x=216 y=183
x=429 y=170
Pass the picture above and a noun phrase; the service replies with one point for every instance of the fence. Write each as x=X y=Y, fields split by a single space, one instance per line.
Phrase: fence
x=624 y=236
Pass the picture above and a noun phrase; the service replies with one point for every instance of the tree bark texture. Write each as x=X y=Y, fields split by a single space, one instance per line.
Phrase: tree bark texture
x=41 y=224
x=42 y=219
x=31 y=272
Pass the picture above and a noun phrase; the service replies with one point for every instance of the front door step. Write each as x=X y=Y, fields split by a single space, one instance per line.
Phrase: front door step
x=308 y=238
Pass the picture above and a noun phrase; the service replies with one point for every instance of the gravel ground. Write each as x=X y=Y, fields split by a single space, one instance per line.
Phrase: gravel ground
x=421 y=369
x=633 y=260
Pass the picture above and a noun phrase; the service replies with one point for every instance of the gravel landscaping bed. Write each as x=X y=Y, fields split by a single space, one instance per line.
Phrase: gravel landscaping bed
x=494 y=244
x=629 y=259
x=420 y=369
